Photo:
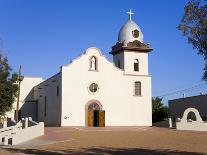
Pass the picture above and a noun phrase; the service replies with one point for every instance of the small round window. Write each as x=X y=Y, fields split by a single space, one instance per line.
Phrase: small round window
x=93 y=87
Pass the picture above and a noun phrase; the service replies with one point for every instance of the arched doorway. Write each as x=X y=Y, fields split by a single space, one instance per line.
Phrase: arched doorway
x=95 y=116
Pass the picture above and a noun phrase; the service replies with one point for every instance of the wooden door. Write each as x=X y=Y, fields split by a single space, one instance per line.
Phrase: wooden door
x=101 y=118
x=96 y=118
x=90 y=117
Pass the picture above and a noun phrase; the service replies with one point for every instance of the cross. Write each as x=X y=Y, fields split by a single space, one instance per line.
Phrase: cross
x=130 y=14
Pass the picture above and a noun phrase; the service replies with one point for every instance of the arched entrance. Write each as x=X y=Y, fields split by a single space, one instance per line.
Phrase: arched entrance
x=95 y=116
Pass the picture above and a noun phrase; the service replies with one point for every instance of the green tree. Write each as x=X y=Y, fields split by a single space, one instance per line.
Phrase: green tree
x=194 y=27
x=8 y=86
x=159 y=111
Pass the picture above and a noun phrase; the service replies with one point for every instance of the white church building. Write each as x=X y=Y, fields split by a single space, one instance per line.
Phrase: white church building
x=93 y=91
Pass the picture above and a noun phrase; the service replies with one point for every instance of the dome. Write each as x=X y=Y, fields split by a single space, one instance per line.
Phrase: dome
x=130 y=32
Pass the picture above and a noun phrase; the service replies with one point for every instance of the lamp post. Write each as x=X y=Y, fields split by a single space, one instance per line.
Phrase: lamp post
x=20 y=78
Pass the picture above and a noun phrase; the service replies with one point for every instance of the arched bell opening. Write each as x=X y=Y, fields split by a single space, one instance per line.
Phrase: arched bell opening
x=191 y=116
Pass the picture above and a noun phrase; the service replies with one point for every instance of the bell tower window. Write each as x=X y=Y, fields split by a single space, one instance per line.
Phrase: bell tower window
x=93 y=63
x=136 y=65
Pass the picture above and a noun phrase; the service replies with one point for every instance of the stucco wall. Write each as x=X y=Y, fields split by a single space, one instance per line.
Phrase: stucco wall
x=27 y=134
x=116 y=93
x=178 y=106
x=26 y=98
x=48 y=89
x=129 y=59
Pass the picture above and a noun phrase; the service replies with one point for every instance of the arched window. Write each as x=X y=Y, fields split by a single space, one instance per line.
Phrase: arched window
x=93 y=63
x=45 y=110
x=137 y=88
x=119 y=64
x=94 y=106
x=136 y=65
x=57 y=91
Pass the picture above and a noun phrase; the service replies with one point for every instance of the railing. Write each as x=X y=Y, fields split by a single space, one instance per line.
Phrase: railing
x=25 y=130
x=3 y=130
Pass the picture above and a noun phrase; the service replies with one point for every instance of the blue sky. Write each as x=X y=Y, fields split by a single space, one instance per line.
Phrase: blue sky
x=43 y=35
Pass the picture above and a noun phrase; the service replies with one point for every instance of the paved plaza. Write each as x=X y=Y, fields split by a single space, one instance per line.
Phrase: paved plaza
x=113 y=140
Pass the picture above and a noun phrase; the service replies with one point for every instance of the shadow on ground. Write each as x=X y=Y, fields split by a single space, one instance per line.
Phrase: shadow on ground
x=109 y=151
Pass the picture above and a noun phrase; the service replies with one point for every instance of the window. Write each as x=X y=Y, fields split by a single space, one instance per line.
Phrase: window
x=93 y=87
x=137 y=88
x=45 y=112
x=119 y=64
x=136 y=65
x=57 y=90
x=94 y=106
x=37 y=109
x=93 y=63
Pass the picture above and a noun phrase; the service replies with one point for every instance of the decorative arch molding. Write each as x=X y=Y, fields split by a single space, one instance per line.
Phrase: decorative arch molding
x=195 y=111
x=86 y=108
x=93 y=48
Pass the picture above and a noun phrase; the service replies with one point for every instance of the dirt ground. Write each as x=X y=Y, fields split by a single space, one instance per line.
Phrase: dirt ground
x=114 y=140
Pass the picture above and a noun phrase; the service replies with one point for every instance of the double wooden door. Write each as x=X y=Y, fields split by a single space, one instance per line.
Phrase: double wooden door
x=96 y=118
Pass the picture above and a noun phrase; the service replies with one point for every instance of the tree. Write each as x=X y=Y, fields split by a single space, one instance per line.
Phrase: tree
x=8 y=86
x=159 y=111
x=194 y=27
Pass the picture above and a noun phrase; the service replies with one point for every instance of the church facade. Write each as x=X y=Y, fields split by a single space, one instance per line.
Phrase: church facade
x=93 y=91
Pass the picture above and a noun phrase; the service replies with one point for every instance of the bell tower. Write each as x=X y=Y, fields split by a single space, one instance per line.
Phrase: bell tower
x=130 y=53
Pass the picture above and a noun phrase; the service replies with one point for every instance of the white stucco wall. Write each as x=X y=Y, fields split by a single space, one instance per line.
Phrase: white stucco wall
x=26 y=94
x=116 y=93
x=129 y=59
x=29 y=133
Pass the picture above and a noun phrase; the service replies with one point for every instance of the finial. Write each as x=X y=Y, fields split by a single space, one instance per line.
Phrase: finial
x=130 y=14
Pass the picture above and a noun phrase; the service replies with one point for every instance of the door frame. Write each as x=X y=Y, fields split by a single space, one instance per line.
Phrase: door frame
x=86 y=109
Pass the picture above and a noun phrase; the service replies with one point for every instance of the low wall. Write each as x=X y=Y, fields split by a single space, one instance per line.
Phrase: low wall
x=195 y=126
x=25 y=130
x=188 y=124
x=28 y=133
x=8 y=131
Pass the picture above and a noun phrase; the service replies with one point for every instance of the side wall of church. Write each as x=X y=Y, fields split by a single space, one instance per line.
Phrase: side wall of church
x=48 y=96
x=116 y=93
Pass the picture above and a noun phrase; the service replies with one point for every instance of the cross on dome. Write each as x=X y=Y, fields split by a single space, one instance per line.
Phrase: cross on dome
x=130 y=14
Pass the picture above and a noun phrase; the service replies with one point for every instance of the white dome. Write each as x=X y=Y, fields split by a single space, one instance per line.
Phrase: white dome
x=126 y=33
